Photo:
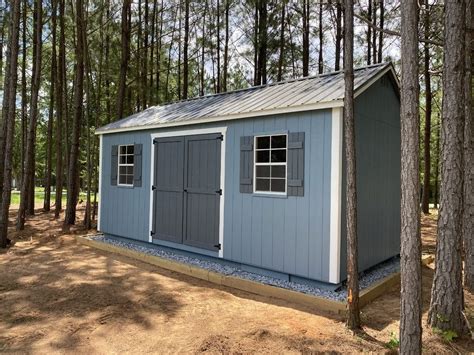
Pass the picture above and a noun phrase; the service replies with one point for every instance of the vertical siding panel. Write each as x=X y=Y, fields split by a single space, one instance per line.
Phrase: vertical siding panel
x=326 y=196
x=247 y=210
x=229 y=210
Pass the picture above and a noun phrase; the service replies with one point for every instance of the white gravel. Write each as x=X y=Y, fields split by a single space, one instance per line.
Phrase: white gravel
x=368 y=278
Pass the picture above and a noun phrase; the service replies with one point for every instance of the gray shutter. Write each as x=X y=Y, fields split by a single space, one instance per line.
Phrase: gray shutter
x=114 y=165
x=295 y=164
x=137 y=165
x=246 y=164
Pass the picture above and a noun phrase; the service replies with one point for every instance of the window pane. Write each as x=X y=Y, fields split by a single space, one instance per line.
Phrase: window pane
x=122 y=179
x=130 y=149
x=263 y=142
x=122 y=170
x=278 y=185
x=263 y=185
x=123 y=159
x=278 y=171
x=278 y=141
x=263 y=171
x=129 y=180
x=129 y=159
x=123 y=149
x=279 y=156
x=263 y=156
x=129 y=170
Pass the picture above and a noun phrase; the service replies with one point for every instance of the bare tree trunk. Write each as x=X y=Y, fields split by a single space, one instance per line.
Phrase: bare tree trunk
x=185 y=50
x=202 y=77
x=158 y=56
x=256 y=45
x=144 y=76
x=263 y=41
x=226 y=47
x=438 y=150
x=28 y=181
x=353 y=314
x=321 y=38
x=126 y=13
x=218 y=46
x=338 y=35
x=369 y=34
x=73 y=175
x=428 y=99
x=382 y=19
x=447 y=303
x=60 y=110
x=49 y=141
x=282 y=42
x=468 y=210
x=24 y=95
x=8 y=118
x=305 y=37
x=410 y=253
x=374 y=35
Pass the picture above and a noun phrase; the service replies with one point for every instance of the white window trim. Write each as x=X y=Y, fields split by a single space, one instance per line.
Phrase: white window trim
x=124 y=164
x=255 y=164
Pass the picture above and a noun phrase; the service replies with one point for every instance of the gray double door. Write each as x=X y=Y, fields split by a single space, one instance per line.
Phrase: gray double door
x=187 y=190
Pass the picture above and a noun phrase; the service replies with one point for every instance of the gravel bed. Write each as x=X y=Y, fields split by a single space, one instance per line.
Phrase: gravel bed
x=368 y=278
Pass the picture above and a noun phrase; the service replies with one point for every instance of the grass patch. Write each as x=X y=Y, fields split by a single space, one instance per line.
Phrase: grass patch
x=39 y=196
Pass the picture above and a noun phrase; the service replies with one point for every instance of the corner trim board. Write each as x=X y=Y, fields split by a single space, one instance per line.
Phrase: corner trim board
x=101 y=147
x=336 y=195
x=188 y=132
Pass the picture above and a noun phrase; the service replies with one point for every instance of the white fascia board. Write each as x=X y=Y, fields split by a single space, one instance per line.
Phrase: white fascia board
x=336 y=196
x=300 y=108
x=369 y=83
x=101 y=147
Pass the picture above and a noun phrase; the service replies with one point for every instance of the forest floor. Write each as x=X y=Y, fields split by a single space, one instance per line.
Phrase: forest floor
x=59 y=296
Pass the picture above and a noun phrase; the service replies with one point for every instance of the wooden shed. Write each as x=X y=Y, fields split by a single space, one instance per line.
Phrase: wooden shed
x=257 y=176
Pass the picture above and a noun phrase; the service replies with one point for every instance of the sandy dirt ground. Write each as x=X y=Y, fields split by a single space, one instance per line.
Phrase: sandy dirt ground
x=57 y=296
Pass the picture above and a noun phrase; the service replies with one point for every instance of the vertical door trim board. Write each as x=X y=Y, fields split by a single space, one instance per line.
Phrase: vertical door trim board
x=336 y=196
x=101 y=165
x=221 y=130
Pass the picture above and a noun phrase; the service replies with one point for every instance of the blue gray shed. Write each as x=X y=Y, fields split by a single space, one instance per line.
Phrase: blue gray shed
x=256 y=176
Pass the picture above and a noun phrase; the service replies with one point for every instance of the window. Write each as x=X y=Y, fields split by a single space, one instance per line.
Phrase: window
x=270 y=164
x=125 y=165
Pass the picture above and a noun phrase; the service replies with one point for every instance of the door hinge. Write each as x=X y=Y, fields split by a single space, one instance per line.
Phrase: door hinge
x=153 y=188
x=221 y=137
x=218 y=246
x=219 y=192
x=155 y=141
x=152 y=233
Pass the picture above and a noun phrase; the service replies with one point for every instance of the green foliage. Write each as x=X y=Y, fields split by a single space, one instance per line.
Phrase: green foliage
x=394 y=342
x=447 y=335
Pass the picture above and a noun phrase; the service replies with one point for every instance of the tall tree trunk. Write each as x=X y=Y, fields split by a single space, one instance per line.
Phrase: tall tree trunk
x=305 y=37
x=281 y=55
x=61 y=110
x=8 y=118
x=49 y=140
x=374 y=35
x=202 y=77
x=369 y=33
x=138 y=59
x=73 y=174
x=338 y=35
x=353 y=314
x=226 y=47
x=144 y=78
x=256 y=46
x=263 y=41
x=218 y=45
x=410 y=251
x=28 y=181
x=185 y=50
x=125 y=57
x=24 y=95
x=468 y=210
x=321 y=38
x=446 y=308
x=382 y=19
x=438 y=152
x=428 y=99
x=158 y=56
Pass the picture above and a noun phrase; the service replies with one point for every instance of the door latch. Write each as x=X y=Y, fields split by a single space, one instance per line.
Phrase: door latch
x=219 y=192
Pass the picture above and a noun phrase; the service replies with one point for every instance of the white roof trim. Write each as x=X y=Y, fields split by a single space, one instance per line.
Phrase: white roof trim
x=290 y=109
x=370 y=82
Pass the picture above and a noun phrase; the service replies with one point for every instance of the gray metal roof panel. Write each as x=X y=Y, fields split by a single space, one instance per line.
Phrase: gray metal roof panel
x=325 y=88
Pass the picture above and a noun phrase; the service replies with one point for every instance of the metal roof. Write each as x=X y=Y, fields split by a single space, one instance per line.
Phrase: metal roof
x=317 y=92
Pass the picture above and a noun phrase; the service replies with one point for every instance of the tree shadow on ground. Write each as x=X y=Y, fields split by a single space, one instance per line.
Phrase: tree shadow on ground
x=49 y=277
